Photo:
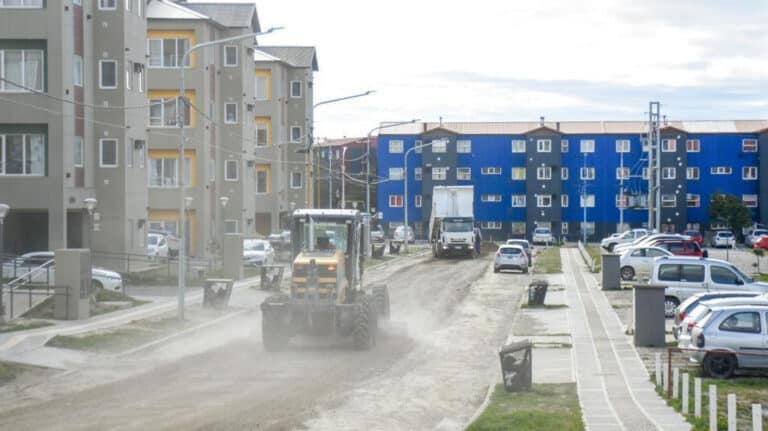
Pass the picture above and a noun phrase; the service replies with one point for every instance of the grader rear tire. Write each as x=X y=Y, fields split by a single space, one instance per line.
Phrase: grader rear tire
x=274 y=335
x=381 y=300
x=365 y=324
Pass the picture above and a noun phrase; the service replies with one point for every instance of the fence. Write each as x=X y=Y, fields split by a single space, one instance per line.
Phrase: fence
x=139 y=268
x=29 y=293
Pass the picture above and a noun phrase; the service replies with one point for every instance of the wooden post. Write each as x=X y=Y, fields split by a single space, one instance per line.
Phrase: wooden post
x=712 y=407
x=676 y=383
x=686 y=388
x=697 y=397
x=757 y=417
x=731 y=412
x=658 y=369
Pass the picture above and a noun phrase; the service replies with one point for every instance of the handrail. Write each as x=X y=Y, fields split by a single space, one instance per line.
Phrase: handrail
x=20 y=280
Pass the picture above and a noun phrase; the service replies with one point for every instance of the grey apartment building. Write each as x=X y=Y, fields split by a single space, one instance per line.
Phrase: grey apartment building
x=73 y=123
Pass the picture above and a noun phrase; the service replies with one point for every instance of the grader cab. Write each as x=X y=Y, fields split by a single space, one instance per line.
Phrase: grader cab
x=327 y=295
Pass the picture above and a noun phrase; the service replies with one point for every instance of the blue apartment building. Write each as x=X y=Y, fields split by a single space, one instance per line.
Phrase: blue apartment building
x=528 y=174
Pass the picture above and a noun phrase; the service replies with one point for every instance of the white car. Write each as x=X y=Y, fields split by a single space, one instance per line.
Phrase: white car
x=257 y=252
x=542 y=235
x=647 y=240
x=754 y=236
x=639 y=261
x=723 y=238
x=40 y=266
x=399 y=235
x=622 y=238
x=510 y=257
x=157 y=246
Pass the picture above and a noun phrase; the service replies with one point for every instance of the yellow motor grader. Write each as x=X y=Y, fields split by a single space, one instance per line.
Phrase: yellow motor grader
x=327 y=296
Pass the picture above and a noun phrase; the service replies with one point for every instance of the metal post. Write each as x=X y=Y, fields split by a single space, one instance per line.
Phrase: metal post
x=330 y=178
x=658 y=165
x=343 y=178
x=649 y=141
x=621 y=192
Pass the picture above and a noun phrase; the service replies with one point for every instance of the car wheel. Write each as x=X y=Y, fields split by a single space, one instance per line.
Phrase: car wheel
x=670 y=303
x=627 y=273
x=720 y=365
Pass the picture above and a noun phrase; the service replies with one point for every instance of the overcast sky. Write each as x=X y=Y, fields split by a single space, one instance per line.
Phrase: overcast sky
x=515 y=60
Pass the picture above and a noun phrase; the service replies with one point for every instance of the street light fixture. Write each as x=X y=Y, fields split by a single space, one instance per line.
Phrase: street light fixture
x=90 y=205
x=3 y=212
x=180 y=119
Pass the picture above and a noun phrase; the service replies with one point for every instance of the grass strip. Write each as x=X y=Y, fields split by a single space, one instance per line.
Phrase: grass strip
x=532 y=410
x=547 y=261
x=595 y=254
x=13 y=327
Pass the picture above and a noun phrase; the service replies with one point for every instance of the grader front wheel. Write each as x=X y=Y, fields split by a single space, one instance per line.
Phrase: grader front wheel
x=365 y=324
x=381 y=300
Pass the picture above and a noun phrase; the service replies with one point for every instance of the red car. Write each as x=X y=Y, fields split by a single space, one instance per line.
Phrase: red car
x=695 y=237
x=681 y=247
x=761 y=243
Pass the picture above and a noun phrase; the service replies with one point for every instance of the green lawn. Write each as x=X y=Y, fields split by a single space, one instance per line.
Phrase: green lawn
x=534 y=410
x=7 y=372
x=23 y=326
x=547 y=261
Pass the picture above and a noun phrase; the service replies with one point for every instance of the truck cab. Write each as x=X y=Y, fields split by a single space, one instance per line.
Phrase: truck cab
x=453 y=235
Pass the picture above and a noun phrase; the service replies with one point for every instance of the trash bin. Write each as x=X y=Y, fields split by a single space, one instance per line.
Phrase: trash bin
x=271 y=277
x=516 y=366
x=649 y=319
x=216 y=292
x=611 y=274
x=377 y=250
x=537 y=291
x=394 y=248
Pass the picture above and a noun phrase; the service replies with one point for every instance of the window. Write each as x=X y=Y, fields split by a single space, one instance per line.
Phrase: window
x=564 y=201
x=518 y=174
x=439 y=145
x=296 y=134
x=167 y=52
x=668 y=145
x=749 y=173
x=490 y=171
x=230 y=113
x=544 y=173
x=107 y=74
x=668 y=201
x=564 y=173
x=230 y=56
x=22 y=155
x=622 y=173
x=418 y=146
x=163 y=172
x=262 y=85
x=490 y=198
x=668 y=173
x=720 y=170
x=518 y=201
x=108 y=153
x=77 y=71
x=395 y=146
x=417 y=201
x=588 y=227
x=262 y=179
x=495 y=225
x=692 y=173
x=439 y=174
x=688 y=272
x=750 y=201
x=564 y=228
x=28 y=4
x=230 y=226
x=747 y=321
x=693 y=200
x=622 y=145
x=464 y=146
x=722 y=275
x=231 y=170
x=463 y=174
x=77 y=151
x=297 y=180
x=296 y=89
x=544 y=146
x=128 y=75
x=163 y=112
x=21 y=66
x=587 y=173
x=517 y=228
x=140 y=77
x=749 y=145
x=395 y=173
x=587 y=201
x=395 y=201
x=107 y=4
x=417 y=174
x=622 y=201
x=587 y=146
x=564 y=146
x=518 y=146
x=692 y=145
x=262 y=133
x=543 y=201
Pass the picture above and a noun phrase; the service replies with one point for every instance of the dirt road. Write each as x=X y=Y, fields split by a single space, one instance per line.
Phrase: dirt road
x=429 y=370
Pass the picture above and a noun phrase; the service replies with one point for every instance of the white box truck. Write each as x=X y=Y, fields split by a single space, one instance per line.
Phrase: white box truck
x=452 y=221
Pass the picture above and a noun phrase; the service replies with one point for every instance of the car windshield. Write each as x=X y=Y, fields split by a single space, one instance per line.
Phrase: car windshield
x=725 y=234
x=324 y=235
x=457 y=226
x=745 y=277
x=542 y=230
x=523 y=244
x=253 y=245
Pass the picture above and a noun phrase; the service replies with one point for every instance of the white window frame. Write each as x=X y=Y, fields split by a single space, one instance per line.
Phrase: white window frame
x=417 y=201
x=418 y=146
x=749 y=173
x=226 y=113
x=25 y=4
x=587 y=146
x=162 y=161
x=395 y=174
x=300 y=87
x=226 y=57
x=463 y=174
x=622 y=173
x=564 y=146
x=543 y=145
x=77 y=71
x=418 y=174
x=543 y=201
x=564 y=173
x=163 y=102
x=518 y=145
x=749 y=145
x=692 y=173
x=396 y=198
x=104 y=5
x=517 y=228
x=395 y=146
x=586 y=201
x=748 y=199
x=490 y=170
x=668 y=145
x=668 y=173
x=178 y=56
x=464 y=146
x=490 y=225
x=439 y=173
x=544 y=173
x=4 y=85
x=128 y=74
x=693 y=200
x=26 y=144
x=720 y=170
x=518 y=170
x=490 y=198
x=564 y=200
x=439 y=146
x=230 y=166
x=623 y=146
x=518 y=201
x=102 y=141
x=622 y=200
x=78 y=142
x=229 y=223
x=101 y=75
x=668 y=200
x=294 y=186
x=692 y=146
x=587 y=173
x=297 y=139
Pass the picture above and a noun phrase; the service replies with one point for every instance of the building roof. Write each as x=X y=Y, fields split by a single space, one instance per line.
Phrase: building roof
x=235 y=15
x=295 y=56
x=166 y=9
x=576 y=127
x=342 y=142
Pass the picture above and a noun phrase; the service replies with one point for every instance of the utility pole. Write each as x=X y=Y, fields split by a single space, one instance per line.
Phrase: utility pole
x=658 y=165
x=654 y=171
x=330 y=178
x=621 y=191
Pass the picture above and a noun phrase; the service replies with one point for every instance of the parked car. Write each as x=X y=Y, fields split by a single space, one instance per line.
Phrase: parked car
x=704 y=307
x=727 y=338
x=157 y=246
x=257 y=252
x=377 y=235
x=695 y=237
x=171 y=239
x=684 y=310
x=510 y=257
x=542 y=235
x=723 y=238
x=639 y=261
x=622 y=238
x=754 y=235
x=761 y=243
x=686 y=276
x=647 y=240
x=526 y=247
x=398 y=235
x=680 y=247
x=101 y=278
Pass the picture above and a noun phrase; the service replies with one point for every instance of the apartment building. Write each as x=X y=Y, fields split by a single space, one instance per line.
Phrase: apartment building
x=571 y=176
x=283 y=118
x=219 y=120
x=329 y=157
x=73 y=123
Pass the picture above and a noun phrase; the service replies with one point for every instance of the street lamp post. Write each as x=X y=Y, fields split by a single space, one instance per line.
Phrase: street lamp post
x=3 y=212
x=180 y=118
x=405 y=196
x=368 y=160
x=343 y=178
x=90 y=205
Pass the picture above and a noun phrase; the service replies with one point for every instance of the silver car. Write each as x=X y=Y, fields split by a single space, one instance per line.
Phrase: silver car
x=729 y=338
x=510 y=257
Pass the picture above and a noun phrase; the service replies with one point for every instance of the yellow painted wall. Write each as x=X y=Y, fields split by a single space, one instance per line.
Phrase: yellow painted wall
x=171 y=94
x=267 y=121
x=173 y=215
x=175 y=34
x=174 y=154
x=267 y=74
x=268 y=170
